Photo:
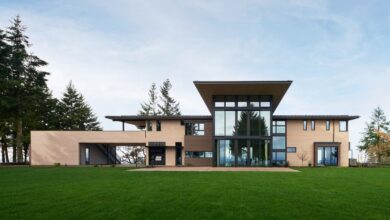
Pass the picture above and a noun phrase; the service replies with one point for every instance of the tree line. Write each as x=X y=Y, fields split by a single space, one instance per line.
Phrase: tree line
x=376 y=138
x=162 y=104
x=26 y=102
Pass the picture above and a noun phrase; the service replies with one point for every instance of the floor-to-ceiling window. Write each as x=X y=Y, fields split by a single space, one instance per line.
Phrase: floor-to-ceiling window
x=279 y=142
x=242 y=130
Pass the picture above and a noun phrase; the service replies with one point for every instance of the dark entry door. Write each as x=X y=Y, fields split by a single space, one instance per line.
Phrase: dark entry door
x=156 y=155
x=178 y=155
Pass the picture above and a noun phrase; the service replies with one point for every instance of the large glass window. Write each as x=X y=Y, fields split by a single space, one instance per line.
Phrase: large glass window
x=279 y=142
x=199 y=154
x=254 y=122
x=327 y=156
x=265 y=121
x=225 y=151
x=279 y=156
x=258 y=152
x=242 y=123
x=242 y=153
x=219 y=118
x=279 y=127
x=230 y=122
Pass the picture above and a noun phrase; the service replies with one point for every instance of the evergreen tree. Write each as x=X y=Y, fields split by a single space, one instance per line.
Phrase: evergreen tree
x=150 y=107
x=76 y=113
x=24 y=82
x=169 y=105
x=373 y=134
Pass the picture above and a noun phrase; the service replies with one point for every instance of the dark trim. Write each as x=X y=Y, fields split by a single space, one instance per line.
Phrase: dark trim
x=125 y=118
x=316 y=117
x=346 y=126
x=326 y=144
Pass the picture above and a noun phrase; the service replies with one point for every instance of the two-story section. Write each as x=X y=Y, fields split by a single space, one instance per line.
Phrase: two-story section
x=241 y=130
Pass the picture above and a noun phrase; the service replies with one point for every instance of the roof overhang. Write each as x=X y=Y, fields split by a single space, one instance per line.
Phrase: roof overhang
x=208 y=89
x=315 y=117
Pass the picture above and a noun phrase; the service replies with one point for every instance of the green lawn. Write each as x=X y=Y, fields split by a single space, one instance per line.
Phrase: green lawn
x=115 y=193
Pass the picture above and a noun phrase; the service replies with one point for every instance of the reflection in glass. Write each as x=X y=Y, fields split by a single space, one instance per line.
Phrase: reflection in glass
x=241 y=129
x=242 y=104
x=254 y=122
x=258 y=152
x=230 y=104
x=219 y=104
x=242 y=153
x=265 y=120
x=225 y=150
x=279 y=142
x=219 y=123
x=327 y=156
x=230 y=122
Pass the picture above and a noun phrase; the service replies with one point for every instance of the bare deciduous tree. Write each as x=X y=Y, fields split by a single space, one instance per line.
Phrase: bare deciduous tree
x=133 y=154
x=302 y=155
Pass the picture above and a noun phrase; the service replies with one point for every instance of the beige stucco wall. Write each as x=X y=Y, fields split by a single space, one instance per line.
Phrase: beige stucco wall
x=49 y=147
x=304 y=140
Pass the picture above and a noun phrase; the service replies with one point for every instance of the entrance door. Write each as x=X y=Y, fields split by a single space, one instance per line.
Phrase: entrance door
x=327 y=156
x=178 y=155
x=157 y=155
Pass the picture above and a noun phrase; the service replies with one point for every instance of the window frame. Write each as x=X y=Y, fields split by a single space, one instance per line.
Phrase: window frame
x=346 y=126
x=327 y=125
x=313 y=125
x=158 y=125
x=149 y=126
x=291 y=148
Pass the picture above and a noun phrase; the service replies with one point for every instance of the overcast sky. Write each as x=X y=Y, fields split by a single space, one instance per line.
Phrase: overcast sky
x=336 y=52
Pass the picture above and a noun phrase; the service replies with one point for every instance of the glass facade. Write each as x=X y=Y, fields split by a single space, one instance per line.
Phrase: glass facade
x=243 y=130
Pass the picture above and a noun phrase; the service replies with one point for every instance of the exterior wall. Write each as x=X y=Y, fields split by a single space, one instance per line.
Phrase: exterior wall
x=199 y=143
x=49 y=147
x=172 y=131
x=304 y=140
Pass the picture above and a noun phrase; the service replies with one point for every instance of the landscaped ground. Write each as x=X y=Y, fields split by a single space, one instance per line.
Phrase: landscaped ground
x=115 y=193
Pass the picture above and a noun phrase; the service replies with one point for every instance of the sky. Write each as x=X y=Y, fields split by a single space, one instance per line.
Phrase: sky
x=336 y=52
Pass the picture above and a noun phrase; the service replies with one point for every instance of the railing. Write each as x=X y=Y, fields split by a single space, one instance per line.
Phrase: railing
x=112 y=157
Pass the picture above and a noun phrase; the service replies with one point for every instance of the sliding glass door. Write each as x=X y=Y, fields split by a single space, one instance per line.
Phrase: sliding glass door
x=327 y=156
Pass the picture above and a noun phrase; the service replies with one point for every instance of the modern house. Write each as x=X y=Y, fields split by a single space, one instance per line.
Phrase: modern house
x=242 y=130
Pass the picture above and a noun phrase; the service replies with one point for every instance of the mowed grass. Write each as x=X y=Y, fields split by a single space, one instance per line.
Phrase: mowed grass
x=116 y=193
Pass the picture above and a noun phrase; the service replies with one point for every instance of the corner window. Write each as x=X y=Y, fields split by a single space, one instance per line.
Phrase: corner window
x=198 y=129
x=149 y=125
x=279 y=127
x=279 y=142
x=327 y=125
x=194 y=129
x=291 y=149
x=313 y=125
x=158 y=125
x=343 y=125
x=305 y=125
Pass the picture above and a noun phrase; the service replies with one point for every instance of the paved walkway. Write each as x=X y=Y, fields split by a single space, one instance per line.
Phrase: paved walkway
x=208 y=169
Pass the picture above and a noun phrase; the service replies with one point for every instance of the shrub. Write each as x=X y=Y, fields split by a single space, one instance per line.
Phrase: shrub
x=57 y=164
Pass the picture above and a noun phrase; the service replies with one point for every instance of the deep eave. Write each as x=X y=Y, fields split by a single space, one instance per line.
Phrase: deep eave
x=157 y=117
x=315 y=117
x=208 y=89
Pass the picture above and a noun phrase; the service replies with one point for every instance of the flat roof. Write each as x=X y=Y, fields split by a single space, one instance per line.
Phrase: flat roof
x=157 y=117
x=208 y=89
x=315 y=117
